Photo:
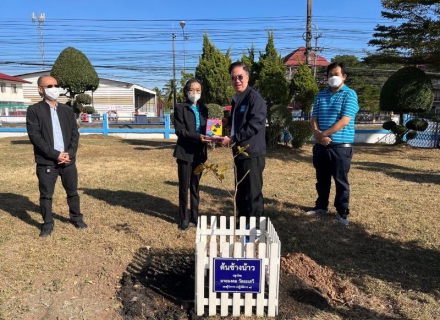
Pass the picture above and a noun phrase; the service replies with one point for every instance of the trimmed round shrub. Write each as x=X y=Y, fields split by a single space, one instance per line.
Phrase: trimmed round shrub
x=74 y=72
x=417 y=124
x=302 y=132
x=399 y=130
x=215 y=110
x=83 y=98
x=407 y=90
x=389 y=125
x=411 y=135
x=280 y=118
x=89 y=110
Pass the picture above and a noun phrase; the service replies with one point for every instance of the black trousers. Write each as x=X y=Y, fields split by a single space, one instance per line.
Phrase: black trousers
x=47 y=177
x=249 y=198
x=332 y=162
x=188 y=180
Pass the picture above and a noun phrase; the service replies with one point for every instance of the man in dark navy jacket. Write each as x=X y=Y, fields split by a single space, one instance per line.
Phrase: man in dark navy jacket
x=248 y=128
x=53 y=131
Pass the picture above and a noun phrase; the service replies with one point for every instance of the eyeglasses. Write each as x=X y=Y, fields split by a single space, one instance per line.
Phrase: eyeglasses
x=51 y=86
x=239 y=77
x=194 y=91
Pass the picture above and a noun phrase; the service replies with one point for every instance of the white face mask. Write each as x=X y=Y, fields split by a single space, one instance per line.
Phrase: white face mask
x=52 y=93
x=334 y=81
x=194 y=97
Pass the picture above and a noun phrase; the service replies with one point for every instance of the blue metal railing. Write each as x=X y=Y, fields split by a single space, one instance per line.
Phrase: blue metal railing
x=106 y=129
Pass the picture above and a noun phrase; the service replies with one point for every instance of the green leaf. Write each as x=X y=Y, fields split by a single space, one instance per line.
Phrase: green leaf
x=199 y=169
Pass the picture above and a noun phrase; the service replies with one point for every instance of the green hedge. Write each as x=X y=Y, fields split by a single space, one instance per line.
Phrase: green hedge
x=302 y=132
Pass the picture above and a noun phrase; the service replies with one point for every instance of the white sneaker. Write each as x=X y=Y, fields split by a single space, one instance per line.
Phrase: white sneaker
x=317 y=211
x=341 y=220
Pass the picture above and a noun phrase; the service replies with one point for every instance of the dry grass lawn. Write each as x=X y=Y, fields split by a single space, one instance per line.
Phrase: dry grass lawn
x=390 y=251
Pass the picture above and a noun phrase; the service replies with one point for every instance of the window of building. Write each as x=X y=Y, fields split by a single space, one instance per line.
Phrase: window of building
x=3 y=87
x=14 y=88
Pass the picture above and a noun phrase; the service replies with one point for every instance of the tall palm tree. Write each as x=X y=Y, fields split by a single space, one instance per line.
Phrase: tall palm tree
x=168 y=92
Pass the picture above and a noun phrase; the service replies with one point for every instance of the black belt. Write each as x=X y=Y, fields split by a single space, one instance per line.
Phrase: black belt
x=340 y=145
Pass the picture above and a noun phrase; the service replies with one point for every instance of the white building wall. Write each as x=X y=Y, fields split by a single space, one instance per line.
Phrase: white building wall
x=30 y=90
x=113 y=95
x=8 y=95
x=110 y=95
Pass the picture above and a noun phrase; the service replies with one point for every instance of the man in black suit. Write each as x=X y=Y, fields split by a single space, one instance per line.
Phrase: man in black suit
x=248 y=128
x=53 y=131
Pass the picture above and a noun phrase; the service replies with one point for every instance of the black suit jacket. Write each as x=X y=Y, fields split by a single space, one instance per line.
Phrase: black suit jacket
x=40 y=132
x=188 y=140
x=249 y=115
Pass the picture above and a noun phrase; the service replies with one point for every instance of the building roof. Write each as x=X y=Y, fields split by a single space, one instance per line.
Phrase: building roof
x=298 y=57
x=11 y=78
x=124 y=83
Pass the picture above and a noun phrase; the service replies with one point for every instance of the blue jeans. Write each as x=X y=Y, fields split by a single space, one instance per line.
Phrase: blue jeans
x=47 y=177
x=332 y=162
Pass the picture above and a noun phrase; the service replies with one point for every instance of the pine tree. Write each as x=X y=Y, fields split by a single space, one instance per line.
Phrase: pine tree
x=416 y=40
x=272 y=83
x=303 y=88
x=253 y=66
x=213 y=72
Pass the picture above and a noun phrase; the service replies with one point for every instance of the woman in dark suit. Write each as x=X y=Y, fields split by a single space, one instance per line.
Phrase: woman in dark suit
x=190 y=127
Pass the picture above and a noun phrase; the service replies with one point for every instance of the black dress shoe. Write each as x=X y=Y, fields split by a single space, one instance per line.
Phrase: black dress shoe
x=45 y=232
x=79 y=224
x=183 y=227
x=193 y=224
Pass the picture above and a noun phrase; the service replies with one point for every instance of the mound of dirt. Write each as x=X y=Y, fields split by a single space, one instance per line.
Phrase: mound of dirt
x=322 y=279
x=161 y=286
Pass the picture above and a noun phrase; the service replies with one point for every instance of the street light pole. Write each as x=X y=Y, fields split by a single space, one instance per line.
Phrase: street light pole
x=182 y=24
x=39 y=25
x=174 y=75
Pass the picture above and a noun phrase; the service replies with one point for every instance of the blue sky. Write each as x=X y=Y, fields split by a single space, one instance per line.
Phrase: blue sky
x=132 y=40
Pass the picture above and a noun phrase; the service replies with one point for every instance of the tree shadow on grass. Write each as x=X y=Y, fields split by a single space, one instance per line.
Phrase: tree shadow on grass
x=18 y=206
x=299 y=298
x=136 y=201
x=399 y=172
x=27 y=141
x=352 y=250
x=221 y=202
x=150 y=145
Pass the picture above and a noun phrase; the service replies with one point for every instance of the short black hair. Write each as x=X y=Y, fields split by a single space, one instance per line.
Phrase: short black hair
x=238 y=64
x=333 y=65
x=188 y=86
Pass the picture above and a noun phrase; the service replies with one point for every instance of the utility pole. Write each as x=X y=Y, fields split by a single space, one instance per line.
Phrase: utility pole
x=174 y=74
x=309 y=31
x=39 y=25
x=315 y=51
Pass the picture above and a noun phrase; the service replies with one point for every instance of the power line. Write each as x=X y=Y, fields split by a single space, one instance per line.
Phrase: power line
x=141 y=49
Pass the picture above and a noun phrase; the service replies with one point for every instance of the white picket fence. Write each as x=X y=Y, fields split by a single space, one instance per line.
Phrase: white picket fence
x=217 y=240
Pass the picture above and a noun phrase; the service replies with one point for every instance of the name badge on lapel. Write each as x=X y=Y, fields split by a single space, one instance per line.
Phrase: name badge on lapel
x=242 y=108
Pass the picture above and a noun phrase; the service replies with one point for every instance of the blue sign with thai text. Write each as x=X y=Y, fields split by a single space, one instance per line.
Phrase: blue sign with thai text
x=237 y=275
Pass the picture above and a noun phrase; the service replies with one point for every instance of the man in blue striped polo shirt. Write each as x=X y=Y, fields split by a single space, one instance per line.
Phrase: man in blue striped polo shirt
x=334 y=111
